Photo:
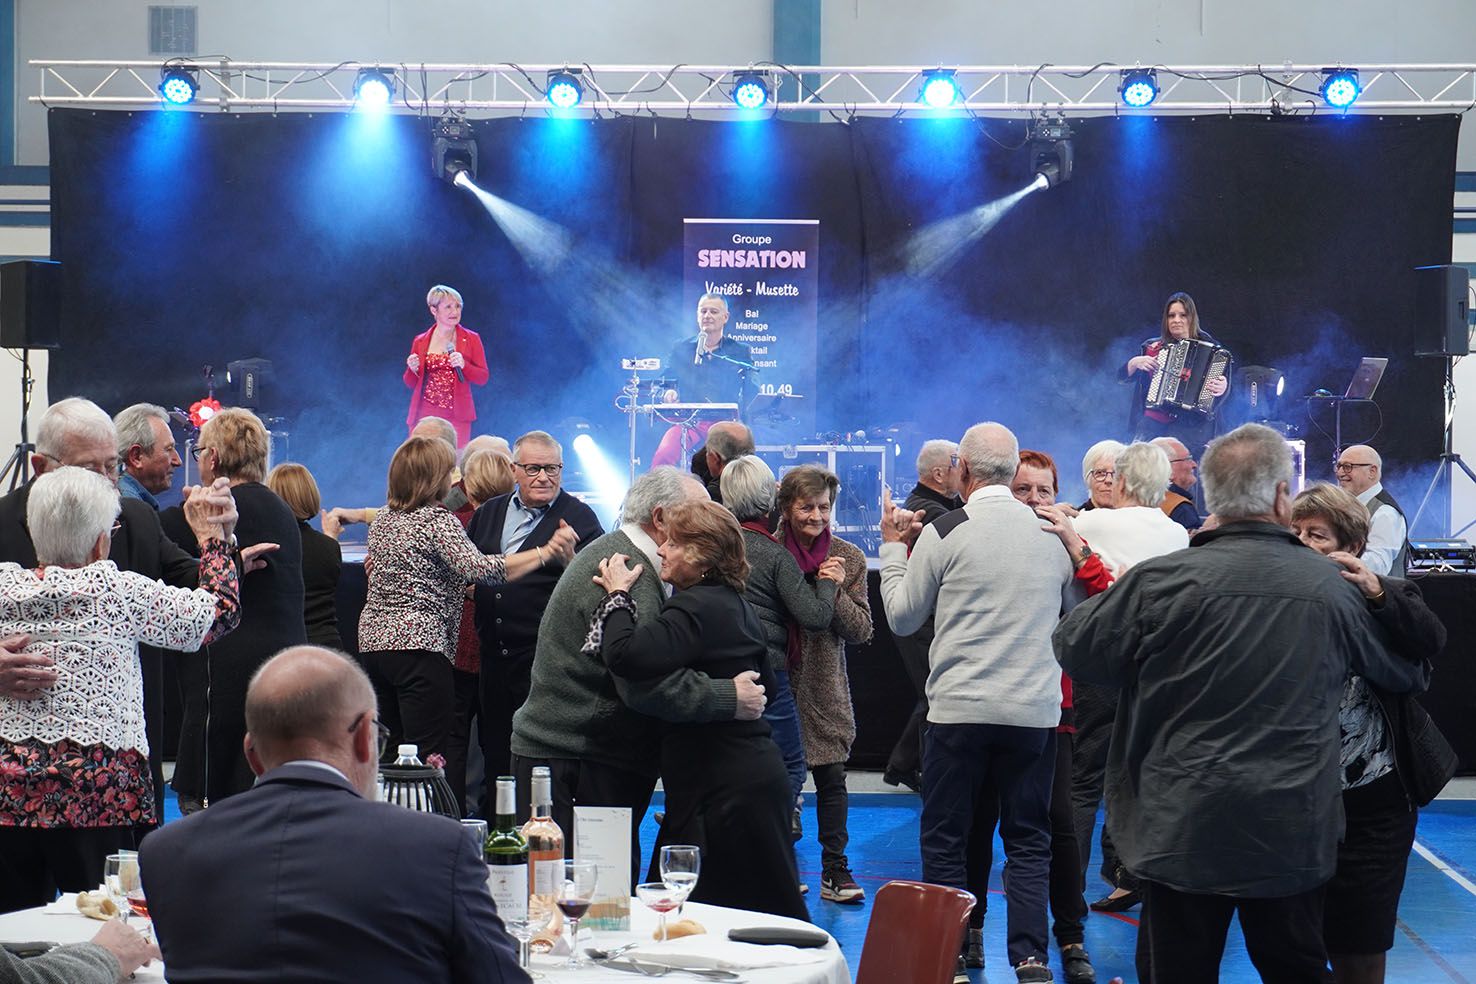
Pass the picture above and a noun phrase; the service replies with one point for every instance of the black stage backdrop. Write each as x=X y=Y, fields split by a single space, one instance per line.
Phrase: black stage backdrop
x=310 y=240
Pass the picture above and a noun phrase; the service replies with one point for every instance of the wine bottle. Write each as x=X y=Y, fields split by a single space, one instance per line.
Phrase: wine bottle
x=506 y=854
x=545 y=850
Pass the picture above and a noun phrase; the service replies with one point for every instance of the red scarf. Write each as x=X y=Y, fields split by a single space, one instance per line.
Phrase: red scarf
x=791 y=630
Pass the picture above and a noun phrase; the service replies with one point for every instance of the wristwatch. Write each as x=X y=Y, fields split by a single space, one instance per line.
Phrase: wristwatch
x=1086 y=554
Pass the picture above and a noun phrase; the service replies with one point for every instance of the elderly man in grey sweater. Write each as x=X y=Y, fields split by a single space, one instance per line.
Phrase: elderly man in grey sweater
x=598 y=733
x=998 y=583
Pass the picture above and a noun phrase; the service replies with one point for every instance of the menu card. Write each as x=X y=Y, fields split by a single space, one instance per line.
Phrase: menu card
x=602 y=835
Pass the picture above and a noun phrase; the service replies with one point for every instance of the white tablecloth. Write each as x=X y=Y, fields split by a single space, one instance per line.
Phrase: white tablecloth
x=61 y=923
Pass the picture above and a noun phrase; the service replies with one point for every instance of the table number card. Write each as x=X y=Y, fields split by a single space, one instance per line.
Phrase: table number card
x=602 y=835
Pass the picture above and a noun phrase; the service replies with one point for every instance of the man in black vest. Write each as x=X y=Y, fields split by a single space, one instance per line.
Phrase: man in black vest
x=507 y=615
x=1360 y=471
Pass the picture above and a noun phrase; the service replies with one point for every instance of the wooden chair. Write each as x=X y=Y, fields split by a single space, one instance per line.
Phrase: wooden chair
x=915 y=934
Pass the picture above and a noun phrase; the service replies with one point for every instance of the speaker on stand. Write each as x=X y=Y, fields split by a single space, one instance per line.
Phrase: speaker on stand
x=30 y=318
x=1443 y=326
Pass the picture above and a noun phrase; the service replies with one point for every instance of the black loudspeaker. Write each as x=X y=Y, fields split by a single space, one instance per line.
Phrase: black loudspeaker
x=30 y=304
x=1442 y=325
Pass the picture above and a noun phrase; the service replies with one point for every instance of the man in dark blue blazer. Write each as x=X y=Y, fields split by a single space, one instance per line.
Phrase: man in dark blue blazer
x=304 y=877
x=507 y=615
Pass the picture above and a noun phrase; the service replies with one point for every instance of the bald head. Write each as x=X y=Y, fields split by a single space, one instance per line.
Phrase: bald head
x=307 y=702
x=726 y=440
x=1181 y=462
x=485 y=442
x=1359 y=468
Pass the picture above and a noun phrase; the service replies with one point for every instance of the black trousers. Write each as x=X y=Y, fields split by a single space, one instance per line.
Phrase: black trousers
x=36 y=864
x=832 y=813
x=420 y=682
x=465 y=701
x=906 y=757
x=505 y=685
x=582 y=782
x=1181 y=936
x=1068 y=905
x=1096 y=707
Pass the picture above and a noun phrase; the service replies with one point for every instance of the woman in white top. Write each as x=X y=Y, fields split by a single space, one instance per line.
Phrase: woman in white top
x=1135 y=528
x=74 y=776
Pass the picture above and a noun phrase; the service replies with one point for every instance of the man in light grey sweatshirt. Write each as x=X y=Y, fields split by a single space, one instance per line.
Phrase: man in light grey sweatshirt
x=998 y=583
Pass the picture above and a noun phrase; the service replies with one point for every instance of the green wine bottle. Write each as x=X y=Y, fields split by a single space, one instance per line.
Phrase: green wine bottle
x=506 y=854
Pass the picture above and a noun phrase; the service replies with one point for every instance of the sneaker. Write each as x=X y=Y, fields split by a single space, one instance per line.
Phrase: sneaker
x=1032 y=971
x=974 y=949
x=960 y=973
x=804 y=889
x=1077 y=965
x=796 y=826
x=837 y=885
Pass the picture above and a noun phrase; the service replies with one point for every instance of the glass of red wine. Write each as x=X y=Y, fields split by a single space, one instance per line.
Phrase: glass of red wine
x=138 y=903
x=573 y=899
x=661 y=899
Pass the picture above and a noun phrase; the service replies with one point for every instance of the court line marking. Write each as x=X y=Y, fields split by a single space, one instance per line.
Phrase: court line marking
x=1444 y=868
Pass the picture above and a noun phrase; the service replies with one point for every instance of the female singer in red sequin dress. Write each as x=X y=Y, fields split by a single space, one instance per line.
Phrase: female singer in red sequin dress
x=445 y=361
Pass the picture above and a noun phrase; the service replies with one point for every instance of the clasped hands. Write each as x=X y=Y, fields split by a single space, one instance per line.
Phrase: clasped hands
x=211 y=512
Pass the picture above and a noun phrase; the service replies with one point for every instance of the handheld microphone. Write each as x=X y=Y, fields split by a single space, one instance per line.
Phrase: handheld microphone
x=460 y=376
x=697 y=357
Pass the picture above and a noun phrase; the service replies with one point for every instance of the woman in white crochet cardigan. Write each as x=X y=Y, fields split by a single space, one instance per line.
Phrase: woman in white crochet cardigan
x=74 y=777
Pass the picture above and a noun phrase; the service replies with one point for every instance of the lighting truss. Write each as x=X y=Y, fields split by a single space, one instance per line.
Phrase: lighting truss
x=434 y=89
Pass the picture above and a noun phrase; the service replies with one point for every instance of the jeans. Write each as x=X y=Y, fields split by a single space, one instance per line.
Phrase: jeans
x=783 y=718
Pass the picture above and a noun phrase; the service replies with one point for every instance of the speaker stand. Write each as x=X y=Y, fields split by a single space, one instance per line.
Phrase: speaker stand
x=18 y=466
x=1449 y=460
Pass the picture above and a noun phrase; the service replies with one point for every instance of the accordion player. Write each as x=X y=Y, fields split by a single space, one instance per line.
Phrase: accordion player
x=1180 y=382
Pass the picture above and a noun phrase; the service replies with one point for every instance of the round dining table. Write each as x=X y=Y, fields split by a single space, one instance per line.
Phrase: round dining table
x=60 y=922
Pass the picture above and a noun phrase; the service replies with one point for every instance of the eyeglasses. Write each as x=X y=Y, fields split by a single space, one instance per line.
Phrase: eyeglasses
x=116 y=527
x=383 y=732
x=108 y=470
x=953 y=461
x=1103 y=475
x=1175 y=461
x=551 y=470
x=1343 y=466
x=198 y=450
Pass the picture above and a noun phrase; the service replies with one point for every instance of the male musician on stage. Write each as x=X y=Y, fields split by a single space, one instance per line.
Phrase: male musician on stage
x=709 y=368
x=1360 y=471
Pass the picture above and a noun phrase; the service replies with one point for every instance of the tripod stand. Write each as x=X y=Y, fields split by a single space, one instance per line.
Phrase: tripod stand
x=18 y=466
x=1449 y=459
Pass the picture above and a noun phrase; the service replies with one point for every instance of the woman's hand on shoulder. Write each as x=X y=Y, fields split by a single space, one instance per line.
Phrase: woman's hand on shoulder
x=615 y=575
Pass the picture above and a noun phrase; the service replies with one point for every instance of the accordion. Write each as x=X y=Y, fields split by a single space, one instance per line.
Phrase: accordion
x=1184 y=371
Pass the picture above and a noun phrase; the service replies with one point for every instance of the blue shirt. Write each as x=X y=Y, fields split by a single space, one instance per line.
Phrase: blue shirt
x=519 y=523
x=128 y=486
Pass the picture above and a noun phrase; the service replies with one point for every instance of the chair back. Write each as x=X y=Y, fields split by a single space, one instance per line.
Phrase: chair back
x=915 y=935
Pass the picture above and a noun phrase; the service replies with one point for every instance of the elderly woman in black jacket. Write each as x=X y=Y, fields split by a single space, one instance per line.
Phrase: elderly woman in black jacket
x=1363 y=896
x=785 y=599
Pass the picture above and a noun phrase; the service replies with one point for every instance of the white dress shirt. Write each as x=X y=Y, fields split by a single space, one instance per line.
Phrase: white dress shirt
x=1386 y=533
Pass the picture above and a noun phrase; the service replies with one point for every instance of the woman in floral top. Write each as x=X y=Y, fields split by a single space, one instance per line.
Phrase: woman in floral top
x=420 y=562
x=74 y=777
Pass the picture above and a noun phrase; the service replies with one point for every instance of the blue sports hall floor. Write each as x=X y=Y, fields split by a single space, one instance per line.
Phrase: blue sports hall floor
x=1435 y=942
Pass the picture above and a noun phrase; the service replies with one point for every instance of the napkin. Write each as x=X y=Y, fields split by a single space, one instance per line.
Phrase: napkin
x=716 y=953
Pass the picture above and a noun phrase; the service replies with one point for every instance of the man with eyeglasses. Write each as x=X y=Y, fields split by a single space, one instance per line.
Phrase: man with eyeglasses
x=1360 y=470
x=1178 y=502
x=507 y=615
x=304 y=876
x=77 y=432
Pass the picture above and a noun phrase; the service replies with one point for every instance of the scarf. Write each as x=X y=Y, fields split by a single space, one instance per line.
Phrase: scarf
x=791 y=630
x=809 y=559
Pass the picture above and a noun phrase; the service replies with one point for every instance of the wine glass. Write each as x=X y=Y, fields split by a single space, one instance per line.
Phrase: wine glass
x=120 y=876
x=661 y=899
x=680 y=866
x=574 y=897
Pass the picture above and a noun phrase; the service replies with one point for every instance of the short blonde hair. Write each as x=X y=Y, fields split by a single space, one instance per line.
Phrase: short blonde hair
x=1339 y=508
x=418 y=473
x=712 y=538
x=439 y=293
x=486 y=474
x=240 y=442
x=295 y=485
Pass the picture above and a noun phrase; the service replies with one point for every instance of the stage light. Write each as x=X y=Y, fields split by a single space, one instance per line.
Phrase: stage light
x=179 y=84
x=373 y=89
x=750 y=90
x=564 y=90
x=584 y=444
x=940 y=88
x=1051 y=152
x=453 y=151
x=1139 y=87
x=1340 y=87
x=1257 y=392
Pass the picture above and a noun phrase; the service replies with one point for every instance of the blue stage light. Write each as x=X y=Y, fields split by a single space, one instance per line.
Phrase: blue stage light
x=564 y=90
x=1139 y=87
x=1340 y=87
x=178 y=85
x=373 y=89
x=750 y=91
x=940 y=88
